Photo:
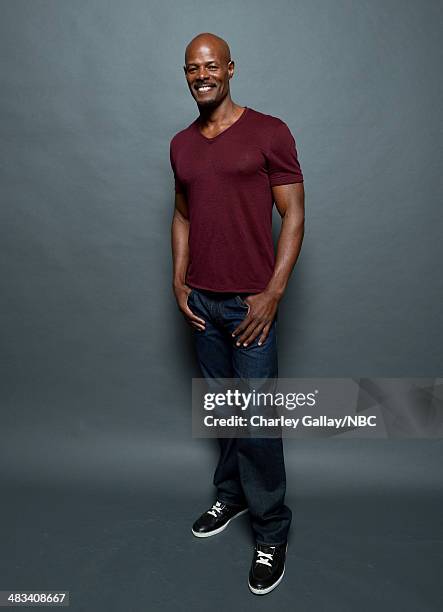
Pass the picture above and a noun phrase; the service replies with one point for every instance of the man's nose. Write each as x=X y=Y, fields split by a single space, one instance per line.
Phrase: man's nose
x=202 y=72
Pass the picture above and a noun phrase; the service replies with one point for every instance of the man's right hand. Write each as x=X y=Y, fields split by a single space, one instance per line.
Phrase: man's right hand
x=181 y=295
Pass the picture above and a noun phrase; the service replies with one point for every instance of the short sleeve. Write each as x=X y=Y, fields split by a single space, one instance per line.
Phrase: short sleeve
x=283 y=165
x=179 y=188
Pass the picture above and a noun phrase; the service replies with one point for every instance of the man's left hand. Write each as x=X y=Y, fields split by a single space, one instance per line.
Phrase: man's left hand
x=262 y=309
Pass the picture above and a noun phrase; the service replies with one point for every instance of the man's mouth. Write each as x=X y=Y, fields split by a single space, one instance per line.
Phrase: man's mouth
x=204 y=88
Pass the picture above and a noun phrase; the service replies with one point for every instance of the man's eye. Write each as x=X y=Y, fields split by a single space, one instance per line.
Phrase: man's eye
x=213 y=67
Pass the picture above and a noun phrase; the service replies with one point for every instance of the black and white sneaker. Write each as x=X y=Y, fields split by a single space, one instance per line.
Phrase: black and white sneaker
x=267 y=568
x=216 y=519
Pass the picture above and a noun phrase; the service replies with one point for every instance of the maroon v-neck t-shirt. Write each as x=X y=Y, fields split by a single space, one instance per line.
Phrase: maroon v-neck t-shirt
x=227 y=183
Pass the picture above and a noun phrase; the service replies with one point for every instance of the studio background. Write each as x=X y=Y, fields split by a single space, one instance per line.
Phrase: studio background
x=96 y=359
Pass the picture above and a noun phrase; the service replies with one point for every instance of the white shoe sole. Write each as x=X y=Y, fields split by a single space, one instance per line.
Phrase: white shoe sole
x=215 y=531
x=268 y=589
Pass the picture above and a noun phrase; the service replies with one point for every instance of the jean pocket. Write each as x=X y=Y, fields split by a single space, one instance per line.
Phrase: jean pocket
x=242 y=302
x=189 y=296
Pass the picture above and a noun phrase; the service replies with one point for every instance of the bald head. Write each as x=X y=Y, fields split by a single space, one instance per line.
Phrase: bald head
x=208 y=69
x=210 y=43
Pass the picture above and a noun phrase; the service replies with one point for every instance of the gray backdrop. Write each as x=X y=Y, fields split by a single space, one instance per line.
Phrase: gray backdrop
x=97 y=361
x=92 y=93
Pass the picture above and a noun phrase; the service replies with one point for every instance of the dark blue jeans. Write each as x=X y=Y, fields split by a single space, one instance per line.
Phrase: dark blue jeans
x=250 y=470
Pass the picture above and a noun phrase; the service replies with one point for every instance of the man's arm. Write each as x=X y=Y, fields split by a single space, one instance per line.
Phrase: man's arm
x=290 y=202
x=180 y=259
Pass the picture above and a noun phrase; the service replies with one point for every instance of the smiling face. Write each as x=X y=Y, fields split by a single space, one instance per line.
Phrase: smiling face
x=208 y=69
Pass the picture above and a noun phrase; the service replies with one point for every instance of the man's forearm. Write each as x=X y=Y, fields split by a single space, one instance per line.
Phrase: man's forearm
x=288 y=249
x=180 y=249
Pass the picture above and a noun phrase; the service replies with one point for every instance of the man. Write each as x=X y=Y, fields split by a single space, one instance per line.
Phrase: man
x=230 y=165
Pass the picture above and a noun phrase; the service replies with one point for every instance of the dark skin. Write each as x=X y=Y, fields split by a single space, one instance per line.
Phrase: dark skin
x=208 y=62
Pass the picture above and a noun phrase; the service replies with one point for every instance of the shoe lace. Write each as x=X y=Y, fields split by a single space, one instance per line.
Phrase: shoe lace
x=265 y=558
x=216 y=509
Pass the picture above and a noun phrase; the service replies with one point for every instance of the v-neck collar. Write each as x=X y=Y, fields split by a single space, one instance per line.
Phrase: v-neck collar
x=236 y=122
